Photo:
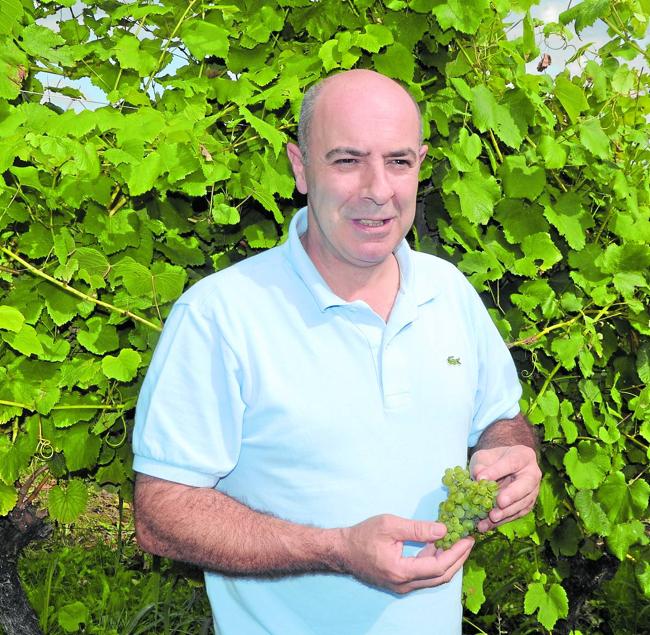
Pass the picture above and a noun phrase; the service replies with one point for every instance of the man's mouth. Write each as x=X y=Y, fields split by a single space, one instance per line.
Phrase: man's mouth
x=367 y=222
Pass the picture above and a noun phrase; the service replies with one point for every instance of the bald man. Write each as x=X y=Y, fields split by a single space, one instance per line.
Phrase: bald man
x=301 y=406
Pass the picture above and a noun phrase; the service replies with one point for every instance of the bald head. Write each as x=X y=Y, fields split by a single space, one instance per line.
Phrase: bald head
x=354 y=88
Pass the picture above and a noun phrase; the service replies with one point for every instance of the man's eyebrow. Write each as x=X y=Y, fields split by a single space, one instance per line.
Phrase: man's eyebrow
x=394 y=154
x=348 y=151
x=406 y=152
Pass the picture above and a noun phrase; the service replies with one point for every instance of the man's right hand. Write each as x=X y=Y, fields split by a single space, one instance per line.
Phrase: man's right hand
x=372 y=552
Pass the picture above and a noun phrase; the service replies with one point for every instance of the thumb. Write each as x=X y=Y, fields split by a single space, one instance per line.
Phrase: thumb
x=419 y=531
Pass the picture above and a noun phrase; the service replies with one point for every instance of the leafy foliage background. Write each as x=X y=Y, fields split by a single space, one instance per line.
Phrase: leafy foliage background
x=536 y=187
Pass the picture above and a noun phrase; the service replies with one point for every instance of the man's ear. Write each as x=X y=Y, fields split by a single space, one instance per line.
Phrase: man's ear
x=295 y=157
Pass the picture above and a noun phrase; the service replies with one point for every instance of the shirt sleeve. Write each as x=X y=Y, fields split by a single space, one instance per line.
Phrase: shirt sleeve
x=498 y=388
x=189 y=413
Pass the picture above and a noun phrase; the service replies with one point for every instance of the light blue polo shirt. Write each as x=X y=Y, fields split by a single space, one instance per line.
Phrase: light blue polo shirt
x=269 y=387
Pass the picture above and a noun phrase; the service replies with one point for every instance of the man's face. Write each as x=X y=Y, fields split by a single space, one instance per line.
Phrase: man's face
x=361 y=180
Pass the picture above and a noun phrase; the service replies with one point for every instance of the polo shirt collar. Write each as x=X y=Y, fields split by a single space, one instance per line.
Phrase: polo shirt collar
x=411 y=292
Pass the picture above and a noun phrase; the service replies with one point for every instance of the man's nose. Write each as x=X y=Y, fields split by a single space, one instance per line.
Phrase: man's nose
x=377 y=185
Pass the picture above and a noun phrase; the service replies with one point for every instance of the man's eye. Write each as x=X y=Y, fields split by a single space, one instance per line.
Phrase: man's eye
x=345 y=161
x=401 y=162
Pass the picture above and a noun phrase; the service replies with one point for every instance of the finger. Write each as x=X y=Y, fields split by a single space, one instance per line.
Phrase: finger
x=516 y=459
x=427 y=567
x=517 y=490
x=519 y=508
x=500 y=517
x=418 y=531
x=436 y=580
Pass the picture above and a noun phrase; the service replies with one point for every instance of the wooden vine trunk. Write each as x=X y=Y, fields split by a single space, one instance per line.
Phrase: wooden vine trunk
x=21 y=527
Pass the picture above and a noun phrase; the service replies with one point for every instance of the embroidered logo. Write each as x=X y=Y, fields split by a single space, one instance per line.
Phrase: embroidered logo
x=453 y=361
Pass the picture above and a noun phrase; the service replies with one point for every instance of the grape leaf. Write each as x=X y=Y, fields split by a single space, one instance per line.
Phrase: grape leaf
x=66 y=502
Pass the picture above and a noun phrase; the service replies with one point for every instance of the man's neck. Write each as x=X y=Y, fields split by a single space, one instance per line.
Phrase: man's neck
x=377 y=285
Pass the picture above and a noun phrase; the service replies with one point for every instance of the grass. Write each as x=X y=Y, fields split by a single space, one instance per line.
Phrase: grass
x=92 y=578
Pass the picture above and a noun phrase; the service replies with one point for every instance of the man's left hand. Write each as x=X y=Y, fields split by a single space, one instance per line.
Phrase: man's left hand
x=515 y=469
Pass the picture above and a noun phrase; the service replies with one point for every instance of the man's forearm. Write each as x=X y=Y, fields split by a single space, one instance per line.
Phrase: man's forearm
x=211 y=530
x=507 y=432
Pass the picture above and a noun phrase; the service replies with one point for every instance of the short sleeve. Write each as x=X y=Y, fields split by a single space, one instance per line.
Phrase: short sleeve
x=189 y=413
x=498 y=387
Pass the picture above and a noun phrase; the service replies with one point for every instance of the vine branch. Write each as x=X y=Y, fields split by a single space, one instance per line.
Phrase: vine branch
x=80 y=294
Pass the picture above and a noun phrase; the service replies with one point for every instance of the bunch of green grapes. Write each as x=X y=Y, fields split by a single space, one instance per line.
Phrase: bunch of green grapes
x=468 y=501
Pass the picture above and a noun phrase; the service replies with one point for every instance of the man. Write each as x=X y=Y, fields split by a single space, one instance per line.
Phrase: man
x=302 y=406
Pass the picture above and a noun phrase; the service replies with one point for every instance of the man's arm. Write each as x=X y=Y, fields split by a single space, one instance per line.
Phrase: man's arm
x=507 y=452
x=208 y=528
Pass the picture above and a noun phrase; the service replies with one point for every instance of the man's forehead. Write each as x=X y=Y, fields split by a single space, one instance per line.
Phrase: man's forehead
x=353 y=116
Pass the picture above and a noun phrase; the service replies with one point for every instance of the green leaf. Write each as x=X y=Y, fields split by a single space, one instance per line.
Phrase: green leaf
x=473 y=578
x=523 y=527
x=477 y=193
x=528 y=38
x=571 y=96
x=224 y=214
x=519 y=219
x=628 y=257
x=327 y=55
x=16 y=456
x=593 y=137
x=92 y=266
x=489 y=114
x=461 y=15
x=61 y=305
x=587 y=464
x=265 y=130
x=521 y=180
x=624 y=535
x=591 y=513
x=113 y=473
x=143 y=176
x=465 y=151
x=11 y=12
x=25 y=341
x=566 y=539
x=622 y=500
x=643 y=362
x=374 y=37
x=550 y=603
x=266 y=20
x=130 y=54
x=204 y=39
x=79 y=446
x=98 y=337
x=552 y=152
x=265 y=198
x=39 y=41
x=548 y=502
x=396 y=61
x=627 y=282
x=162 y=283
x=124 y=367
x=585 y=13
x=11 y=319
x=541 y=253
x=566 y=348
x=643 y=577
x=71 y=616
x=8 y=498
x=66 y=502
x=64 y=417
x=262 y=234
x=569 y=217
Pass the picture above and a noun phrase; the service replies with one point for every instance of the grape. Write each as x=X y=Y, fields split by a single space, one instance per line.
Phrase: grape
x=467 y=502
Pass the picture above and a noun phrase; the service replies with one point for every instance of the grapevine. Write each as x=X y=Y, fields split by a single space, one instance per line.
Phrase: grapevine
x=468 y=501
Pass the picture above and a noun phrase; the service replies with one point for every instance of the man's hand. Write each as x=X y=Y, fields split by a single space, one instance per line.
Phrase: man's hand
x=372 y=552
x=515 y=469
